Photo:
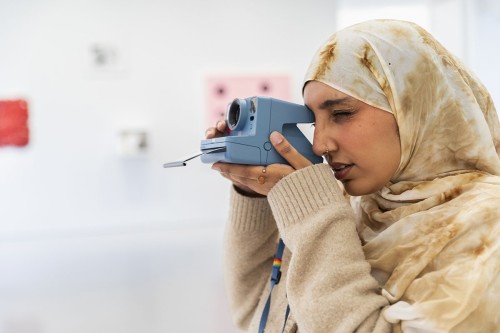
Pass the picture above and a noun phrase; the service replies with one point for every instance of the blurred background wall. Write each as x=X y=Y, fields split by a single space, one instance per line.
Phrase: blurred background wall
x=97 y=238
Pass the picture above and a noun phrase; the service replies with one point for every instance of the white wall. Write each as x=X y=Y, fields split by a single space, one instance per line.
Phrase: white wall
x=483 y=46
x=70 y=176
x=94 y=242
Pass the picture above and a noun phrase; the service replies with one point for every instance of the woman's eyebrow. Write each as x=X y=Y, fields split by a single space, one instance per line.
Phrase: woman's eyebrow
x=334 y=102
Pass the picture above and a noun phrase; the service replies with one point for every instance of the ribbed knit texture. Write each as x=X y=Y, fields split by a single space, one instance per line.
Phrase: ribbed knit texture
x=250 y=214
x=304 y=192
x=326 y=280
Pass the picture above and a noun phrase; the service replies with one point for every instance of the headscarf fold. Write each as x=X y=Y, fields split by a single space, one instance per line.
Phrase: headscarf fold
x=432 y=235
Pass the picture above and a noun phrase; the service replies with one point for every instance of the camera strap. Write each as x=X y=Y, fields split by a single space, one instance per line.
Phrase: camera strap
x=275 y=279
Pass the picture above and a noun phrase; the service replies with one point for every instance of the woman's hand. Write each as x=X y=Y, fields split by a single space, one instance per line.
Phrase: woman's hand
x=259 y=180
x=218 y=131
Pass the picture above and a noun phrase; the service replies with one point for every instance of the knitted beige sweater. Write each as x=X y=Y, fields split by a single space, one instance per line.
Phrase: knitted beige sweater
x=325 y=280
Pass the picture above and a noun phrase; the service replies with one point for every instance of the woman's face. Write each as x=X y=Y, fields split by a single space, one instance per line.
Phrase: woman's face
x=363 y=144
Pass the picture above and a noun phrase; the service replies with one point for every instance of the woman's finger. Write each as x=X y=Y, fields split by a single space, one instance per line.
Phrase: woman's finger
x=259 y=179
x=210 y=133
x=217 y=131
x=245 y=174
x=288 y=152
x=221 y=126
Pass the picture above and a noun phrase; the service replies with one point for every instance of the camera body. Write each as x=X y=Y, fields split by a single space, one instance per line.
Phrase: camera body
x=250 y=122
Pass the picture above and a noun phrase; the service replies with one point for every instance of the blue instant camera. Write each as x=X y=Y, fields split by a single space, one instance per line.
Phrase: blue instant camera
x=250 y=122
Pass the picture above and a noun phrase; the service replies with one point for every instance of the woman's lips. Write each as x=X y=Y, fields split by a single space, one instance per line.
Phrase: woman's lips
x=341 y=170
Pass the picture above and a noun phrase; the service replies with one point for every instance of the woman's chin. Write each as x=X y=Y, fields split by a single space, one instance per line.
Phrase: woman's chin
x=356 y=188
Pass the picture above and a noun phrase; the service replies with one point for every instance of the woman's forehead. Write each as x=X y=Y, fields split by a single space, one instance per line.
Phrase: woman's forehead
x=317 y=89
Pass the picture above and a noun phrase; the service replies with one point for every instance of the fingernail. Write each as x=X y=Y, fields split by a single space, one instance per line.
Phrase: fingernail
x=215 y=167
x=276 y=138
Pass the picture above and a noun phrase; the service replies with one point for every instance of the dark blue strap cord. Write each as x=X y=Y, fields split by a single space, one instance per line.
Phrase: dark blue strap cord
x=286 y=317
x=275 y=279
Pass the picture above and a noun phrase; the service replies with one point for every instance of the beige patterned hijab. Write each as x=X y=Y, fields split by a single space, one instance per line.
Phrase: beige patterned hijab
x=432 y=235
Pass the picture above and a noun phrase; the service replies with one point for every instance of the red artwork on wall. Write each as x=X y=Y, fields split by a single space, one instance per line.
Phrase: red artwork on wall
x=14 y=123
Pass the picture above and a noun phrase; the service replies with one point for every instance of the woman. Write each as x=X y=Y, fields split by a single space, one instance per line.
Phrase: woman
x=413 y=137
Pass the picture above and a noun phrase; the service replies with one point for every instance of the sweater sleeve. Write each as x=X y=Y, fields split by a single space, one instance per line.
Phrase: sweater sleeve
x=249 y=245
x=329 y=285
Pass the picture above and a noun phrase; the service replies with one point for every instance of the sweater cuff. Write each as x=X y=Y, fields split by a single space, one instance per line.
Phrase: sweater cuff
x=250 y=214
x=304 y=192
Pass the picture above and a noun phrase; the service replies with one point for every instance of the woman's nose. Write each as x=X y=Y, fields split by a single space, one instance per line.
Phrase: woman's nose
x=321 y=143
x=319 y=149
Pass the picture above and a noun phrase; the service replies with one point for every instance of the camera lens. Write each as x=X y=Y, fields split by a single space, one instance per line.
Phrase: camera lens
x=233 y=114
x=236 y=114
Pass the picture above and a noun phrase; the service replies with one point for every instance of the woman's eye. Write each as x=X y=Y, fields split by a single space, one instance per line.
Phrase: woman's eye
x=338 y=115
